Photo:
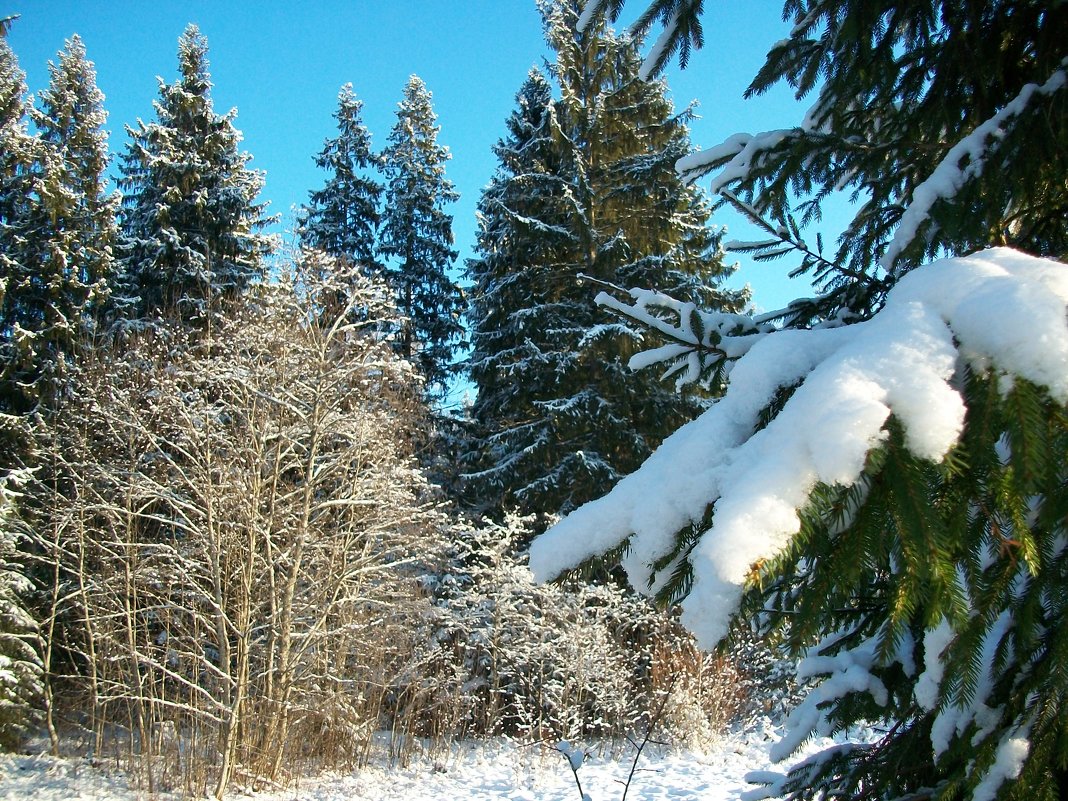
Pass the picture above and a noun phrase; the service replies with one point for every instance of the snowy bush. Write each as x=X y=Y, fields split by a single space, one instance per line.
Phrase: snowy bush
x=20 y=664
x=239 y=532
x=564 y=661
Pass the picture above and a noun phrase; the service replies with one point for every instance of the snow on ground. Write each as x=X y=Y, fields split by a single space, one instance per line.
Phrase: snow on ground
x=473 y=772
x=47 y=778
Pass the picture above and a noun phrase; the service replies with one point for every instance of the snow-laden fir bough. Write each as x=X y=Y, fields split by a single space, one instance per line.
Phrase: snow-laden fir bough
x=911 y=469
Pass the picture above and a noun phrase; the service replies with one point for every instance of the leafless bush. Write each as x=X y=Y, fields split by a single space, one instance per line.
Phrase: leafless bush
x=236 y=534
x=245 y=574
x=510 y=657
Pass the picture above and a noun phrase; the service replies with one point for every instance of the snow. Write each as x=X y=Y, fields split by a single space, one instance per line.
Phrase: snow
x=848 y=671
x=589 y=10
x=742 y=149
x=949 y=176
x=46 y=778
x=474 y=772
x=954 y=719
x=997 y=307
x=1012 y=752
x=928 y=685
x=663 y=43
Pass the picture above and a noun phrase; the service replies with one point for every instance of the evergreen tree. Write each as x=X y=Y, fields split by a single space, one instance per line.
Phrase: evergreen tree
x=20 y=679
x=190 y=220
x=947 y=122
x=18 y=153
x=21 y=336
x=82 y=214
x=417 y=234
x=586 y=186
x=59 y=226
x=917 y=554
x=520 y=240
x=342 y=217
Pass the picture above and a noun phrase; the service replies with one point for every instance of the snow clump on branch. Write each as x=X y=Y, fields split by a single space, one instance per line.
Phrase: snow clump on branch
x=996 y=309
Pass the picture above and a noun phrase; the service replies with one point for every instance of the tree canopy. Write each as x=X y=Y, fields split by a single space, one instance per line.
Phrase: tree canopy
x=586 y=190
x=417 y=237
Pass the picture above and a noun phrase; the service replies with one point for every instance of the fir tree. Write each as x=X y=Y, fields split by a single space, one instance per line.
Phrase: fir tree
x=520 y=240
x=914 y=547
x=20 y=676
x=417 y=235
x=20 y=679
x=587 y=187
x=82 y=214
x=946 y=122
x=59 y=227
x=18 y=153
x=342 y=217
x=191 y=223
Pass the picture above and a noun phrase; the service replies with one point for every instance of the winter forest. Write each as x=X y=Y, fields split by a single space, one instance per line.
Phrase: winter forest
x=244 y=542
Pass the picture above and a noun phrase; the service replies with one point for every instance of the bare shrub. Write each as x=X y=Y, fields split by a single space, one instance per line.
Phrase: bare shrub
x=511 y=657
x=238 y=531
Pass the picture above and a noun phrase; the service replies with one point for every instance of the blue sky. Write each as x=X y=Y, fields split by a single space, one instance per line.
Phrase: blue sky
x=281 y=65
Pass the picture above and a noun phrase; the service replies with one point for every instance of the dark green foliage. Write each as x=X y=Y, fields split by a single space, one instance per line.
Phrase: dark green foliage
x=190 y=222
x=82 y=215
x=18 y=155
x=682 y=33
x=417 y=237
x=947 y=123
x=900 y=86
x=342 y=217
x=20 y=678
x=586 y=189
x=979 y=542
x=58 y=227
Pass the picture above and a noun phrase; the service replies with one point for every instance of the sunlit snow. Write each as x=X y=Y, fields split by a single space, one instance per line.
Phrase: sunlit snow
x=998 y=308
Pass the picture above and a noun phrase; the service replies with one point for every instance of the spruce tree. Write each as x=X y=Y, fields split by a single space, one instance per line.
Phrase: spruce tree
x=342 y=218
x=191 y=222
x=586 y=187
x=82 y=213
x=20 y=680
x=417 y=237
x=945 y=122
x=59 y=226
x=926 y=583
x=519 y=241
x=18 y=153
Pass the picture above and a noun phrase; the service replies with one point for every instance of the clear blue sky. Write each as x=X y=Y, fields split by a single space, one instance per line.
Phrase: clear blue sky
x=281 y=65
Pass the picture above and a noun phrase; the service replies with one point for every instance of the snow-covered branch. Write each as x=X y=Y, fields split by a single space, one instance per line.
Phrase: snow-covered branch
x=964 y=162
x=698 y=340
x=738 y=154
x=980 y=310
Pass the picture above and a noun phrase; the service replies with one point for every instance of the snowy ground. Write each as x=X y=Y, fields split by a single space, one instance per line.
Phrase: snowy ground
x=472 y=773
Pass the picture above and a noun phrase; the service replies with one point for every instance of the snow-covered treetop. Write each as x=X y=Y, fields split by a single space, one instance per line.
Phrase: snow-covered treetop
x=73 y=106
x=12 y=86
x=193 y=60
x=998 y=309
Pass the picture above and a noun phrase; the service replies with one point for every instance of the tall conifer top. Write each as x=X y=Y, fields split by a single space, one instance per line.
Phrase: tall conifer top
x=342 y=218
x=417 y=237
x=191 y=222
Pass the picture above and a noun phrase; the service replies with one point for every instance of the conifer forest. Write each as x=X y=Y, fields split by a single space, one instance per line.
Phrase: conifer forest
x=244 y=541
